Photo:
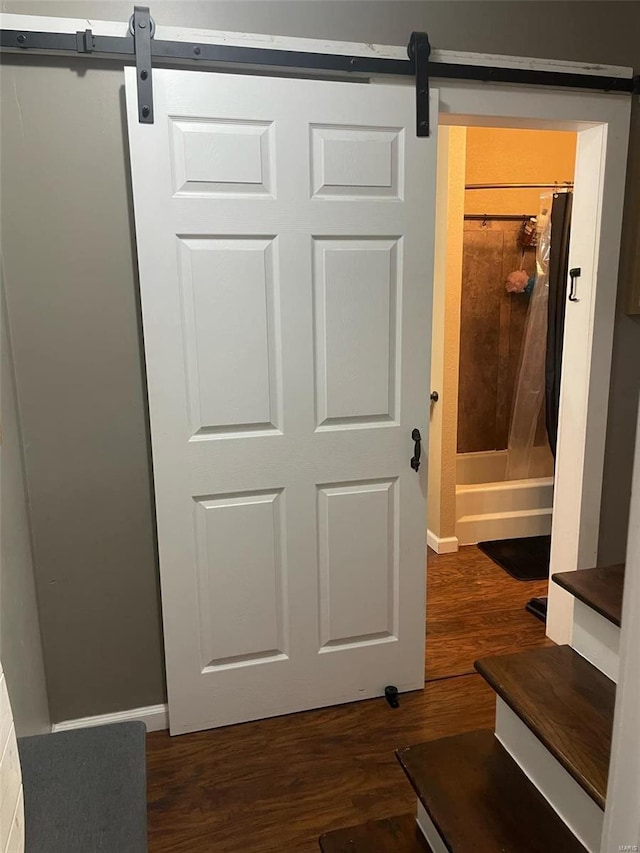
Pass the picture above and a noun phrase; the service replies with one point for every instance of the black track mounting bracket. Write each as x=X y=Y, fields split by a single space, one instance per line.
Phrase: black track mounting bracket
x=419 y=51
x=85 y=41
x=142 y=28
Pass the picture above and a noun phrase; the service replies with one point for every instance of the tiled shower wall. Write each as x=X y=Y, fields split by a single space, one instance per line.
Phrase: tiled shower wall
x=492 y=324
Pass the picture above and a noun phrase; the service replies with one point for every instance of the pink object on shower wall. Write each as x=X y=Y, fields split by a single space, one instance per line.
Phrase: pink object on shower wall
x=517 y=281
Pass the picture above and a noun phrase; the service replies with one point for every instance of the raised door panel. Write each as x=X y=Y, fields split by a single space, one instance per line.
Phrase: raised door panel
x=241 y=579
x=356 y=294
x=232 y=348
x=222 y=158
x=358 y=563
x=356 y=162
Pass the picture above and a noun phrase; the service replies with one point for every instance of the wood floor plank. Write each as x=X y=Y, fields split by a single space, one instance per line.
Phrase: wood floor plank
x=393 y=835
x=475 y=609
x=278 y=784
x=600 y=588
x=480 y=800
x=566 y=702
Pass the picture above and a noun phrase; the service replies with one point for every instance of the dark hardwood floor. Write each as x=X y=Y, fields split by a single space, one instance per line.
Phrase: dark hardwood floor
x=275 y=786
x=475 y=609
x=399 y=834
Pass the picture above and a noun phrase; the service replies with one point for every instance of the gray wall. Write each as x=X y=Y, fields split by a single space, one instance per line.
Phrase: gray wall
x=20 y=646
x=625 y=379
x=66 y=229
x=71 y=294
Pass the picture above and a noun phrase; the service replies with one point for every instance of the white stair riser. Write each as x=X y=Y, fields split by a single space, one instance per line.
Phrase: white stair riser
x=504 y=497
x=472 y=529
x=576 y=808
x=428 y=829
x=596 y=639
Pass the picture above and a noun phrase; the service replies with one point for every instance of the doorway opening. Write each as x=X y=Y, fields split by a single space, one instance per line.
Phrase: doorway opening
x=503 y=213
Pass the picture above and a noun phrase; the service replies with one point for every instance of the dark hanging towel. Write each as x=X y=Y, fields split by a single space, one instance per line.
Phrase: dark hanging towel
x=558 y=273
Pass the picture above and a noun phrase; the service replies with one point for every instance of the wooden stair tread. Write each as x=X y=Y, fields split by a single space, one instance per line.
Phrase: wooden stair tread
x=393 y=835
x=480 y=800
x=600 y=589
x=566 y=702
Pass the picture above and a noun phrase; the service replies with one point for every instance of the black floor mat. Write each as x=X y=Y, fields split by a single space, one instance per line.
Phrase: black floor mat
x=526 y=559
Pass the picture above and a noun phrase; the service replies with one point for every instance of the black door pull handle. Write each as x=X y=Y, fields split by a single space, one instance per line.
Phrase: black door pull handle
x=415 y=459
x=574 y=275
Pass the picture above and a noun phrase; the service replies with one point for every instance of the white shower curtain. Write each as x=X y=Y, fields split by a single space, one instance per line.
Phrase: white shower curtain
x=529 y=394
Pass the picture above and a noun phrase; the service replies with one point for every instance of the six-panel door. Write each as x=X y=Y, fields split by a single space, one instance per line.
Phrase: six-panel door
x=285 y=232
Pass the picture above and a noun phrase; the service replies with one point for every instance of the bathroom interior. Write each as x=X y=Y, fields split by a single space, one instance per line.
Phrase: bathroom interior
x=503 y=226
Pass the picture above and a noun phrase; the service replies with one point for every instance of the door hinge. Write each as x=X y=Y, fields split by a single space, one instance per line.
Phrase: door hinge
x=419 y=51
x=142 y=28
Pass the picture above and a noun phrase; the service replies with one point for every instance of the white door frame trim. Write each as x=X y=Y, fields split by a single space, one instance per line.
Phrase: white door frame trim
x=603 y=129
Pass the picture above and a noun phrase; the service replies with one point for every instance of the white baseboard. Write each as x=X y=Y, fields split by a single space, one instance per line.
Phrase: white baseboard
x=155 y=718
x=442 y=545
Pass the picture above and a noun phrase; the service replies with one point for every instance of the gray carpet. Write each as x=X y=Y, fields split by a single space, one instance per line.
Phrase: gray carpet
x=85 y=790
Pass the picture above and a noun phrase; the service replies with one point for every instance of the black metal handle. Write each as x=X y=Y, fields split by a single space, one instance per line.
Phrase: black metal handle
x=415 y=459
x=434 y=396
x=574 y=274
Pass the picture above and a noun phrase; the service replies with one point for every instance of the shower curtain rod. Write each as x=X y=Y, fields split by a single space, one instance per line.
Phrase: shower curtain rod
x=501 y=217
x=562 y=186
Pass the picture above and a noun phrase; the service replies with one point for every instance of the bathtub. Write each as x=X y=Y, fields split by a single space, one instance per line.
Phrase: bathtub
x=490 y=507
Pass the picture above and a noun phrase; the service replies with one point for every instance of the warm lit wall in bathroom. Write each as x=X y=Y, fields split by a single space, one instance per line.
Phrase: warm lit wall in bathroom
x=447 y=285
x=497 y=155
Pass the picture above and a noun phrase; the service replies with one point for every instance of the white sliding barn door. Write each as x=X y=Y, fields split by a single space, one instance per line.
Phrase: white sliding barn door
x=285 y=244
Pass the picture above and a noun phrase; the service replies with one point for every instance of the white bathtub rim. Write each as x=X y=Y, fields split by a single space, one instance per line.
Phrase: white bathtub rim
x=505 y=485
